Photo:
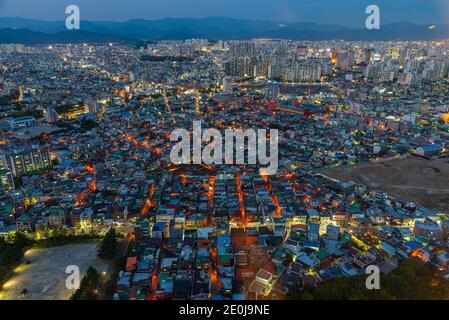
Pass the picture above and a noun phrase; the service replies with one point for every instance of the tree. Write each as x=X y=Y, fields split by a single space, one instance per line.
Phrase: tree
x=88 y=289
x=412 y=280
x=11 y=252
x=108 y=246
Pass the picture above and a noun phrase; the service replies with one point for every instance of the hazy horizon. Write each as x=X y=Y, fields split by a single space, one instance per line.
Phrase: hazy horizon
x=344 y=13
x=225 y=17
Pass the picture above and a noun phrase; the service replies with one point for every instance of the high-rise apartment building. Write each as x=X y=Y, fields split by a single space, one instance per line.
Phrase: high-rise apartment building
x=6 y=181
x=22 y=161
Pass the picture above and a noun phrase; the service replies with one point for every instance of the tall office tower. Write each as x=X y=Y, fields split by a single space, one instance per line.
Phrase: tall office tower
x=13 y=47
x=261 y=67
x=6 y=181
x=227 y=68
x=245 y=49
x=275 y=69
x=132 y=77
x=334 y=56
x=242 y=67
x=237 y=67
x=20 y=99
x=302 y=72
x=405 y=78
x=50 y=115
x=25 y=160
x=93 y=107
x=372 y=72
x=345 y=60
x=228 y=86
x=301 y=52
x=366 y=56
x=395 y=53
x=272 y=90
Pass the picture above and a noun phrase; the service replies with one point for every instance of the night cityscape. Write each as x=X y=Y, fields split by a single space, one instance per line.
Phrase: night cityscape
x=352 y=122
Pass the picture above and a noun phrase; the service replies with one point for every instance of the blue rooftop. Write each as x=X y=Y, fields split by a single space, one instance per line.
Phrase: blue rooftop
x=433 y=147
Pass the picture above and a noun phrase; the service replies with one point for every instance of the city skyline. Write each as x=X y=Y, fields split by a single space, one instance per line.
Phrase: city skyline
x=222 y=157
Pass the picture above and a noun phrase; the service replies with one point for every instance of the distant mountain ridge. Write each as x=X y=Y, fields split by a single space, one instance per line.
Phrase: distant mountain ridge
x=29 y=37
x=28 y=31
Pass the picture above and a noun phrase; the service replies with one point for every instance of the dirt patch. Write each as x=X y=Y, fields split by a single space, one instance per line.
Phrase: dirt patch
x=425 y=182
x=44 y=277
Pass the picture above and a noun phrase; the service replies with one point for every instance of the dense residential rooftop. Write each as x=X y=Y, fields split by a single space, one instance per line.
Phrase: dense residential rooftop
x=85 y=145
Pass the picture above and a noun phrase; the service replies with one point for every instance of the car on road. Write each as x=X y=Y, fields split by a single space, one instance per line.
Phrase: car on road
x=24 y=292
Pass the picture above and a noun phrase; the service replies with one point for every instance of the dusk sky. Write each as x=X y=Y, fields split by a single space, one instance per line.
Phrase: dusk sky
x=341 y=12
